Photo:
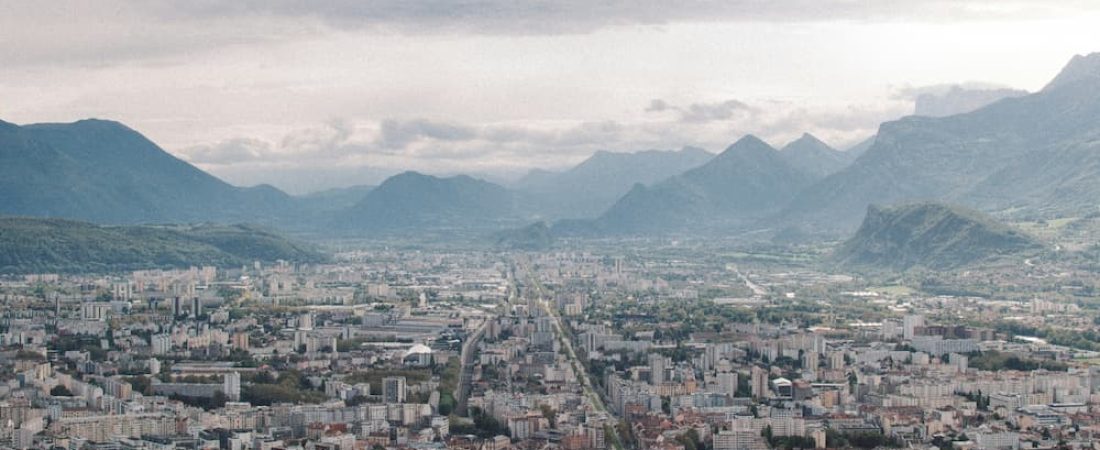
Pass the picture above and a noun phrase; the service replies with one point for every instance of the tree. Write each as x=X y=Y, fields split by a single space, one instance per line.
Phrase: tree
x=691 y=440
x=550 y=414
x=61 y=391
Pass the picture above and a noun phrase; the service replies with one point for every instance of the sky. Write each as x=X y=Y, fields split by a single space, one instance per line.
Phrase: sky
x=311 y=95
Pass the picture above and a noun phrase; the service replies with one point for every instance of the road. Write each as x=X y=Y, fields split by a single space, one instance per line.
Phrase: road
x=757 y=290
x=571 y=355
x=466 y=373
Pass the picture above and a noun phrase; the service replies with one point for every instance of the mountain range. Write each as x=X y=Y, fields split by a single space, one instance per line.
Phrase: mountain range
x=1025 y=157
x=589 y=188
x=746 y=181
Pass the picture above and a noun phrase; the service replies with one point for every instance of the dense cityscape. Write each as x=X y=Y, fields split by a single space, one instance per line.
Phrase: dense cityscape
x=670 y=348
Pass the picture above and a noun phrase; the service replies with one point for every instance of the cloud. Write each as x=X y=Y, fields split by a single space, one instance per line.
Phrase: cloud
x=715 y=124
x=400 y=133
x=232 y=151
x=319 y=140
x=111 y=32
x=710 y=112
x=419 y=143
x=658 y=105
x=913 y=92
x=838 y=126
x=722 y=111
x=583 y=16
x=446 y=147
x=943 y=100
x=87 y=34
x=323 y=145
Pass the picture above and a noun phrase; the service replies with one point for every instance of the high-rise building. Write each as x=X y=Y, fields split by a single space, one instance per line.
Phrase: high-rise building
x=810 y=362
x=836 y=360
x=738 y=440
x=819 y=437
x=177 y=307
x=962 y=362
x=910 y=323
x=196 y=307
x=657 y=367
x=759 y=382
x=161 y=343
x=393 y=390
x=300 y=339
x=95 y=311
x=727 y=383
x=232 y=386
x=239 y=340
x=1094 y=379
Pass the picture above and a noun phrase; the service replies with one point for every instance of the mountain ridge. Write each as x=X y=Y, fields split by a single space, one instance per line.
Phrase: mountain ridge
x=813 y=156
x=747 y=180
x=105 y=172
x=413 y=200
x=61 y=245
x=929 y=235
x=592 y=186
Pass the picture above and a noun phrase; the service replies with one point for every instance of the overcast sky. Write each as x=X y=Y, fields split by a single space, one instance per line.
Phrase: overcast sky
x=306 y=95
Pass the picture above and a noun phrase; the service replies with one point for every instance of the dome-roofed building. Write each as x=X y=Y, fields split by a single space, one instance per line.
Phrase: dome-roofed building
x=418 y=355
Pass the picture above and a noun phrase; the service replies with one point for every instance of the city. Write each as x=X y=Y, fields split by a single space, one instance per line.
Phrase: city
x=570 y=349
x=549 y=225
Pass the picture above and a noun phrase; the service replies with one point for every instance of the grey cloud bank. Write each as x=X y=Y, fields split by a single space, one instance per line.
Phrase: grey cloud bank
x=580 y=16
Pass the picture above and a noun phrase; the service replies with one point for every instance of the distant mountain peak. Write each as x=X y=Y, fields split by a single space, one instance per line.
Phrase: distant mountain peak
x=746 y=146
x=608 y=155
x=410 y=174
x=692 y=150
x=807 y=140
x=86 y=124
x=592 y=186
x=813 y=156
x=92 y=121
x=750 y=139
x=412 y=177
x=413 y=200
x=1081 y=68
